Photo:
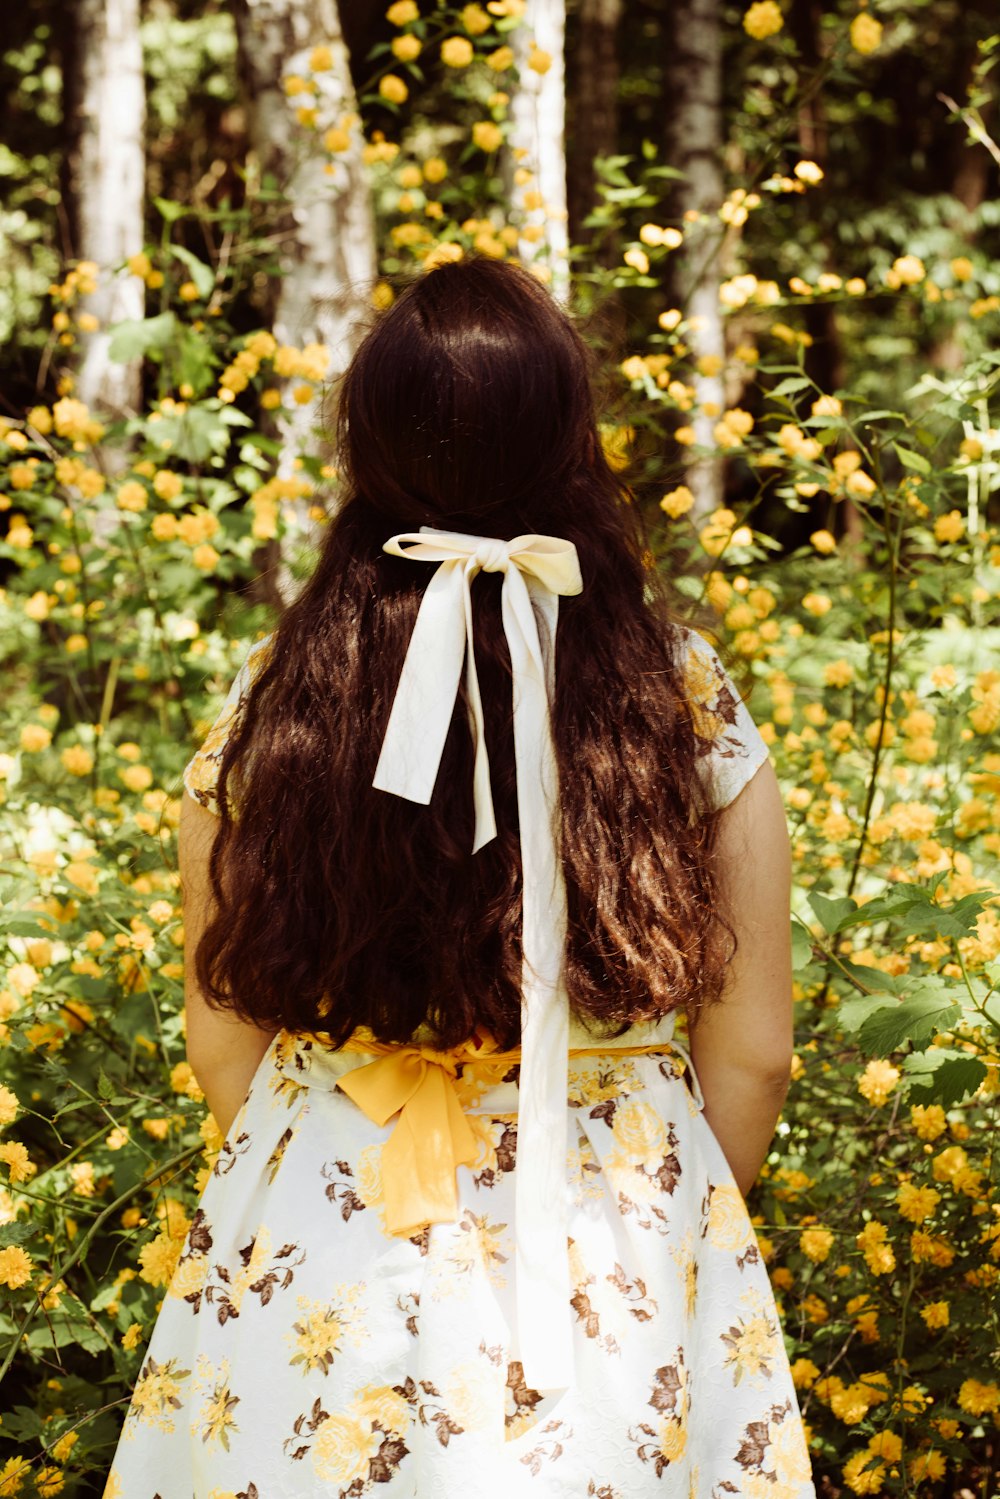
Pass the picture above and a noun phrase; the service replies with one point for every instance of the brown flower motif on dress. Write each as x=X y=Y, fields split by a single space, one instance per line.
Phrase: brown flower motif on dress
x=550 y=1450
x=340 y=1177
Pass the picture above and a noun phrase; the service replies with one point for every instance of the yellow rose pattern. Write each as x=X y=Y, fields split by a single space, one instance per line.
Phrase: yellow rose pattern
x=302 y=1350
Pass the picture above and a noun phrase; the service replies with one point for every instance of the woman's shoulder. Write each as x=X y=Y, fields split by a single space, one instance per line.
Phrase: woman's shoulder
x=730 y=747
x=202 y=770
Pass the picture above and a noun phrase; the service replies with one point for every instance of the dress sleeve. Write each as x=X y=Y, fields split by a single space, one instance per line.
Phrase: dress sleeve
x=202 y=770
x=730 y=746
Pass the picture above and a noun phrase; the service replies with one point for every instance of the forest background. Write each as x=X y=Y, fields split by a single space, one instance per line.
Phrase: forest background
x=779 y=227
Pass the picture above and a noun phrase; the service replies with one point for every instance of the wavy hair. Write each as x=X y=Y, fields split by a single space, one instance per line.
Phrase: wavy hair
x=468 y=407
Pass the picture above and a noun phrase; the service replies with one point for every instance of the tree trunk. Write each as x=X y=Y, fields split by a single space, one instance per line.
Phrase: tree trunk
x=106 y=175
x=327 y=257
x=694 y=147
x=538 y=137
x=593 y=104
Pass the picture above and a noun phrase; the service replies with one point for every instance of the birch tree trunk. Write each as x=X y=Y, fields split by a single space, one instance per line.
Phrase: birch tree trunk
x=594 y=104
x=106 y=174
x=694 y=146
x=537 y=139
x=328 y=234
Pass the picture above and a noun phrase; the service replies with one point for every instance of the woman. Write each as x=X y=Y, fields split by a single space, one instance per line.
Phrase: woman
x=477 y=1225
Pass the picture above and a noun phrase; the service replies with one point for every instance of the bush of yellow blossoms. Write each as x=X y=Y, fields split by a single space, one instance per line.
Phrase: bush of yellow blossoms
x=132 y=584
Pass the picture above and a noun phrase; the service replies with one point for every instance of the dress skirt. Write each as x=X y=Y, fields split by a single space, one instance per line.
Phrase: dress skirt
x=303 y=1351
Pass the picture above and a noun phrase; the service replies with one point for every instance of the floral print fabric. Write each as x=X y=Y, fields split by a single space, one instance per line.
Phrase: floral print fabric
x=300 y=1351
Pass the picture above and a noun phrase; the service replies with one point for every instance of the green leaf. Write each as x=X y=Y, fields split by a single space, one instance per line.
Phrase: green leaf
x=105 y=1087
x=171 y=212
x=915 y=461
x=944 y=1077
x=855 y=1012
x=916 y=1018
x=17 y=1233
x=201 y=274
x=134 y=337
x=791 y=386
x=802 y=951
x=833 y=911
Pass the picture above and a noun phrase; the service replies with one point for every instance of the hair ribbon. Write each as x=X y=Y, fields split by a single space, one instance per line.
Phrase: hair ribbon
x=536 y=570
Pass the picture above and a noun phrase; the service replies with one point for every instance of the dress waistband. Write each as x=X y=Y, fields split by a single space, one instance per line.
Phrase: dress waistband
x=432 y=1135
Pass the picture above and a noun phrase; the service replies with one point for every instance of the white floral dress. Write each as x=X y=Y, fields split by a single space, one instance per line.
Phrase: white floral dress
x=302 y=1351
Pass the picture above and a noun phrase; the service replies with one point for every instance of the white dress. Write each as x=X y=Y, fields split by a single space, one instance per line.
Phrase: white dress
x=303 y=1351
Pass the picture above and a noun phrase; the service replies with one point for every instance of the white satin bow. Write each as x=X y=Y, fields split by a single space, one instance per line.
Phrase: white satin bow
x=537 y=570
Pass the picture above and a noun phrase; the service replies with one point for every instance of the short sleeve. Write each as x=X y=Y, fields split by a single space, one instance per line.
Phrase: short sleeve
x=730 y=746
x=201 y=773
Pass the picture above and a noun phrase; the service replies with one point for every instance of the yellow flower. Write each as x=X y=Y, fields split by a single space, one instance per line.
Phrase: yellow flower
x=132 y=1336
x=762 y=20
x=83 y=875
x=877 y=1081
x=73 y=420
x=824 y=541
x=928 y=1120
x=137 y=777
x=167 y=485
x=501 y=59
x=49 y=1481
x=935 y=1314
x=816 y=1244
x=131 y=496
x=879 y=1256
x=77 y=760
x=320 y=60
x=928 y=1249
x=809 y=172
x=404 y=49
x=487 y=136
x=393 y=89
x=950 y=527
x=475 y=20
x=804 y=1373
x=15 y=1267
x=205 y=557
x=34 y=737
x=961 y=268
x=8 y=1106
x=20 y=1167
x=637 y=259
x=866 y=36
x=906 y=270
x=12 y=1476
x=456 y=52
x=678 y=502
x=402 y=13
x=839 y=673
x=917 y=1203
x=539 y=61
x=158 y=1260
x=979 y=1399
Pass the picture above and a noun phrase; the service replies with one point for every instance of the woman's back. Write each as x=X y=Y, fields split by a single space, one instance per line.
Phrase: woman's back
x=470 y=1230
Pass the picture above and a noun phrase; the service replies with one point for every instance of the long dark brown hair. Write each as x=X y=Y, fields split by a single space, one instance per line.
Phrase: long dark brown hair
x=467 y=407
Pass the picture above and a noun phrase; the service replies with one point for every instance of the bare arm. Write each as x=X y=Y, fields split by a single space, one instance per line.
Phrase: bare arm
x=742 y=1047
x=224 y=1052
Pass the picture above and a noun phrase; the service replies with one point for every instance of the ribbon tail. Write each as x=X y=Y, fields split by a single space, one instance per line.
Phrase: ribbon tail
x=545 y=1329
x=425 y=695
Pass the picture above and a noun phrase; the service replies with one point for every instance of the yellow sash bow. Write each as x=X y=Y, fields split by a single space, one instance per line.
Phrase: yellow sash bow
x=431 y=1137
